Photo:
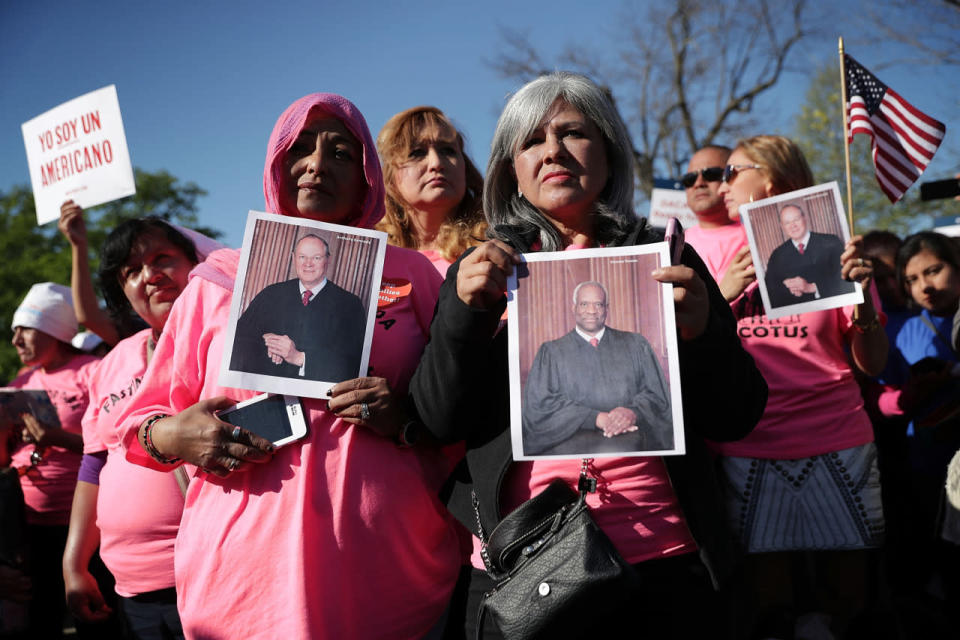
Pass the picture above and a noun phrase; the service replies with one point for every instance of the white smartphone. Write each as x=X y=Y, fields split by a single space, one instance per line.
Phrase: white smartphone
x=277 y=418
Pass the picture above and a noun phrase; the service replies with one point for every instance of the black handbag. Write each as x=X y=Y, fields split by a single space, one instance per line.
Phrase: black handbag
x=553 y=567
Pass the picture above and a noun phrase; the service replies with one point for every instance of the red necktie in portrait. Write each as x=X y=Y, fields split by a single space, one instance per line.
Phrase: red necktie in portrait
x=594 y=342
x=306 y=296
x=799 y=248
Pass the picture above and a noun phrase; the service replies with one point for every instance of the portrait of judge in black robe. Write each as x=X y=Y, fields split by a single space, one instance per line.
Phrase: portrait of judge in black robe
x=596 y=389
x=307 y=327
x=807 y=266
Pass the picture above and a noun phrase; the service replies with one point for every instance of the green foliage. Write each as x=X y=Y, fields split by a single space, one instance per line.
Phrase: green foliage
x=34 y=254
x=819 y=134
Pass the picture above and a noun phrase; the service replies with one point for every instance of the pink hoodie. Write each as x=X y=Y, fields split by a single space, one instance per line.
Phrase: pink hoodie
x=340 y=535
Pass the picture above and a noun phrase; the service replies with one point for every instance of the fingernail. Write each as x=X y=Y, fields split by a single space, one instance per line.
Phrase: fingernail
x=330 y=392
x=656 y=273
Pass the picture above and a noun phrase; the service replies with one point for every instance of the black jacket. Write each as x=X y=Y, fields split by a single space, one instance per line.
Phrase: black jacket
x=461 y=391
x=329 y=330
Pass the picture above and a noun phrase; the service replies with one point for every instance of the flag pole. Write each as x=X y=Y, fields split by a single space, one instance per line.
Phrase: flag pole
x=846 y=134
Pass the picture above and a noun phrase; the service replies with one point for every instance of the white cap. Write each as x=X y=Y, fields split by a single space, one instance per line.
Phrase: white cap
x=47 y=307
x=86 y=341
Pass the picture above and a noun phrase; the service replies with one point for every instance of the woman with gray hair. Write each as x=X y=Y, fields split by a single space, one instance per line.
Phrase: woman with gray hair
x=560 y=177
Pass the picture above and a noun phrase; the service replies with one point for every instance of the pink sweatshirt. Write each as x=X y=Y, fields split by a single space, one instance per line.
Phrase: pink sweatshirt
x=341 y=534
x=48 y=489
x=138 y=509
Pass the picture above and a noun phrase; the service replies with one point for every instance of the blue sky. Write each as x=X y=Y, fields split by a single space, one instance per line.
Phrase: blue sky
x=201 y=83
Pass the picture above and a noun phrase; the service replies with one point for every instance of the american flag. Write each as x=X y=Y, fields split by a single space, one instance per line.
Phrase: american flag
x=903 y=138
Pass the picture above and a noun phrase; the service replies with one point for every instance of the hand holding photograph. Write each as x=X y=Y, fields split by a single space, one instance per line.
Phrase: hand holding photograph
x=593 y=356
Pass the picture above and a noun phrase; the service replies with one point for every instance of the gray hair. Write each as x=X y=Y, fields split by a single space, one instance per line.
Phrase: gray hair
x=521 y=117
x=590 y=283
x=803 y=214
x=326 y=244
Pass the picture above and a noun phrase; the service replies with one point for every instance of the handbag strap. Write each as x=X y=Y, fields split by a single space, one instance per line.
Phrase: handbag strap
x=936 y=331
x=585 y=484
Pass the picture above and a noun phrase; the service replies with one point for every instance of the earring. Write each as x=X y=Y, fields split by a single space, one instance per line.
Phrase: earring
x=519 y=193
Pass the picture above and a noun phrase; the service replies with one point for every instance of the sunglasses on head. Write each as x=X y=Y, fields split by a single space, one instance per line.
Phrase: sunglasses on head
x=710 y=174
x=731 y=170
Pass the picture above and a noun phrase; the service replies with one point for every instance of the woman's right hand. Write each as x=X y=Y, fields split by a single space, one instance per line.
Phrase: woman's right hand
x=84 y=599
x=740 y=274
x=72 y=225
x=197 y=436
x=482 y=279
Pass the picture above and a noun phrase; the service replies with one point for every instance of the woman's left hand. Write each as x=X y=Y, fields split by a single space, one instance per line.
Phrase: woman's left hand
x=690 y=299
x=34 y=432
x=370 y=402
x=854 y=267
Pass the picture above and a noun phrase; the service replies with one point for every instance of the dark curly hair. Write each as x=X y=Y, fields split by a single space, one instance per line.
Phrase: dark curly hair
x=116 y=250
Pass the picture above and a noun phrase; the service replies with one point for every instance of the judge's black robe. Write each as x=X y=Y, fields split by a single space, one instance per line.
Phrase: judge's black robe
x=329 y=330
x=571 y=382
x=819 y=264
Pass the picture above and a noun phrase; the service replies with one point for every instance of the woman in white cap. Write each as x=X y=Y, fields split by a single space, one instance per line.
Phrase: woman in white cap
x=49 y=457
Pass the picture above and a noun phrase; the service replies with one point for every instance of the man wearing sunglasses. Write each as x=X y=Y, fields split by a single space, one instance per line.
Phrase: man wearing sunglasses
x=720 y=241
x=806 y=266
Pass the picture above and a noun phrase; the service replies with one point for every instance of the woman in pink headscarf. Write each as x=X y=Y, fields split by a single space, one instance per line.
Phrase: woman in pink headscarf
x=339 y=535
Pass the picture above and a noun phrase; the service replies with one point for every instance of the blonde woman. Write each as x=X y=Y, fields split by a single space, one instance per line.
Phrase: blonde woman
x=433 y=189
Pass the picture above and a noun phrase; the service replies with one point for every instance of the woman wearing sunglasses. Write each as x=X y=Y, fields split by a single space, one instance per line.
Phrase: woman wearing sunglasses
x=803 y=487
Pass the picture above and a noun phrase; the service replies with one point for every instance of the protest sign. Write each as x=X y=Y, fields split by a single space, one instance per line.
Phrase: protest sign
x=593 y=361
x=78 y=151
x=796 y=240
x=305 y=303
x=670 y=203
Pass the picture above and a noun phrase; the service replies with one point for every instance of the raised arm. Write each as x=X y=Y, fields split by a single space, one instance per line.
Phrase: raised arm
x=85 y=304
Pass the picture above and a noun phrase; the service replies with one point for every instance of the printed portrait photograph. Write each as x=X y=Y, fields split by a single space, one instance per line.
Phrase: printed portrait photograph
x=796 y=240
x=593 y=356
x=303 y=306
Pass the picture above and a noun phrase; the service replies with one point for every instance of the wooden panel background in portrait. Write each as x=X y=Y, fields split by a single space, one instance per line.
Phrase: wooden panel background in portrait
x=271 y=259
x=822 y=217
x=545 y=301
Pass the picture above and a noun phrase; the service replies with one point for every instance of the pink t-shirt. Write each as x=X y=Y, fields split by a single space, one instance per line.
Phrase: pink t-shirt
x=48 y=488
x=138 y=509
x=717 y=246
x=644 y=520
x=814 y=405
x=437 y=260
x=339 y=535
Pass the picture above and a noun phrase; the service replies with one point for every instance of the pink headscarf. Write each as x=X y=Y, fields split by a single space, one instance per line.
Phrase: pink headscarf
x=285 y=132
